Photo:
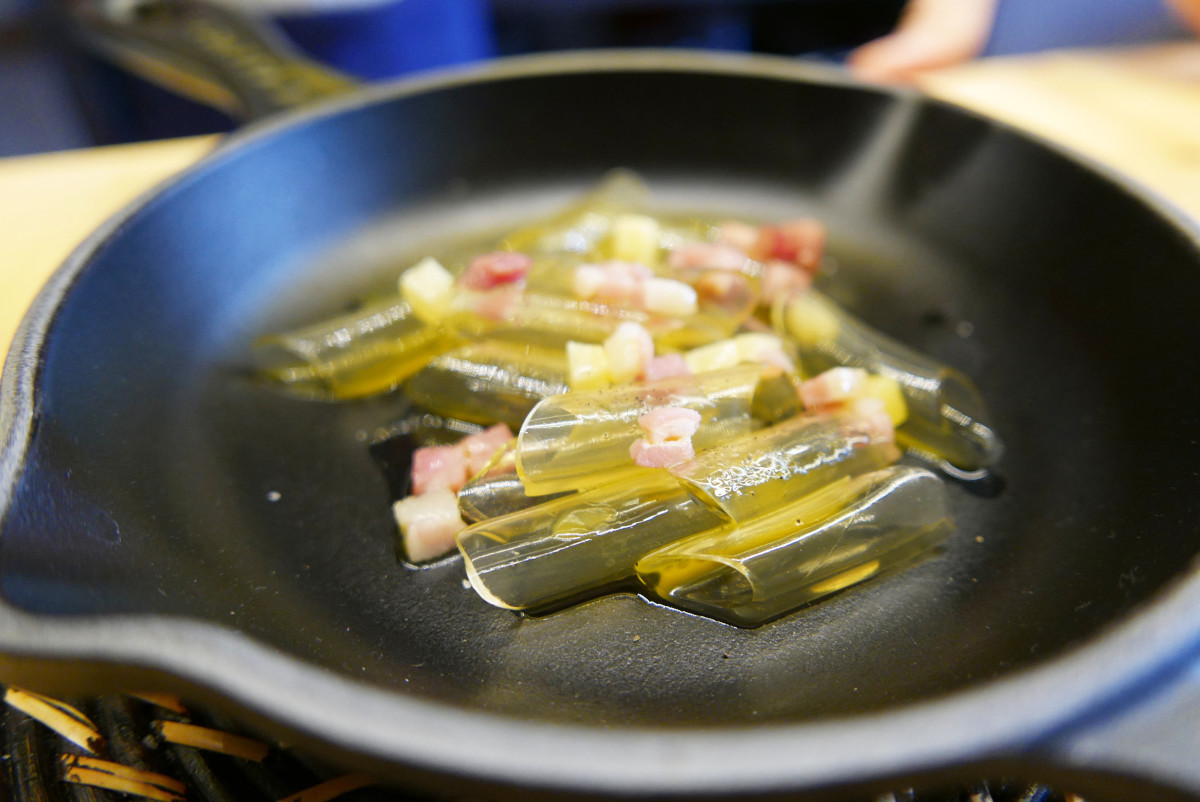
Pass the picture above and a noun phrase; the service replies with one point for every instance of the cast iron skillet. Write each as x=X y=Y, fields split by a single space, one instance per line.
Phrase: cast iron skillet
x=140 y=546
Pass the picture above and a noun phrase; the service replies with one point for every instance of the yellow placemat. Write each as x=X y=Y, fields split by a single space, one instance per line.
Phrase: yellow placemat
x=50 y=203
x=1137 y=110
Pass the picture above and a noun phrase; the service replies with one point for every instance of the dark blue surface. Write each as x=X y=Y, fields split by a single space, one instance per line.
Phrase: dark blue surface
x=384 y=40
x=1026 y=26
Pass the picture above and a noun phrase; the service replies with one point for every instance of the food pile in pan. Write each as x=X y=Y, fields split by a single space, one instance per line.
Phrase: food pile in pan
x=641 y=397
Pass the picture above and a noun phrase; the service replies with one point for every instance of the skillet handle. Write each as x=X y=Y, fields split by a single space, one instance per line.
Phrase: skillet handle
x=220 y=57
x=1145 y=746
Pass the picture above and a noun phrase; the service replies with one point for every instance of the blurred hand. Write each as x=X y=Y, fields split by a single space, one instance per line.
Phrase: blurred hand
x=933 y=33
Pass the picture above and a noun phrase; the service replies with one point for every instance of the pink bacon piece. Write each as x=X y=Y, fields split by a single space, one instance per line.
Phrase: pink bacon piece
x=742 y=236
x=668 y=439
x=872 y=418
x=807 y=236
x=491 y=270
x=834 y=386
x=667 y=366
x=801 y=242
x=479 y=448
x=782 y=278
x=661 y=455
x=449 y=467
x=611 y=281
x=713 y=255
x=669 y=423
x=438 y=468
x=497 y=304
x=731 y=291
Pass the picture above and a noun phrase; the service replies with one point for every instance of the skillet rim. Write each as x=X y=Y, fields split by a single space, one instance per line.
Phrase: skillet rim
x=386 y=728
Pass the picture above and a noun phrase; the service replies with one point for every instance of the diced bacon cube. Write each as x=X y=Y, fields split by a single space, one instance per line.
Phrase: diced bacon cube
x=834 y=386
x=497 y=304
x=664 y=424
x=661 y=455
x=668 y=439
x=618 y=284
x=428 y=524
x=611 y=281
x=739 y=235
x=730 y=290
x=782 y=278
x=479 y=448
x=712 y=255
x=493 y=269
x=871 y=418
x=666 y=366
x=664 y=296
x=801 y=242
x=438 y=468
x=806 y=239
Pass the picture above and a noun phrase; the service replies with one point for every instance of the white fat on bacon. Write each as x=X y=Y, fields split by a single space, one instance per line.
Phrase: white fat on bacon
x=613 y=281
x=635 y=284
x=666 y=296
x=428 y=523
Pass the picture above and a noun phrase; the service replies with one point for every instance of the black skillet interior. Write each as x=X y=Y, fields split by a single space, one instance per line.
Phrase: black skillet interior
x=148 y=486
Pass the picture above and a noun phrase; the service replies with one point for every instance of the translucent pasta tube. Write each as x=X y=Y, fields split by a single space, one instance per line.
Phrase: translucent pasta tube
x=570 y=441
x=583 y=226
x=497 y=490
x=776 y=398
x=550 y=320
x=947 y=419
x=768 y=468
x=359 y=354
x=727 y=298
x=840 y=535
x=554 y=274
x=489 y=381
x=579 y=545
x=716 y=319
